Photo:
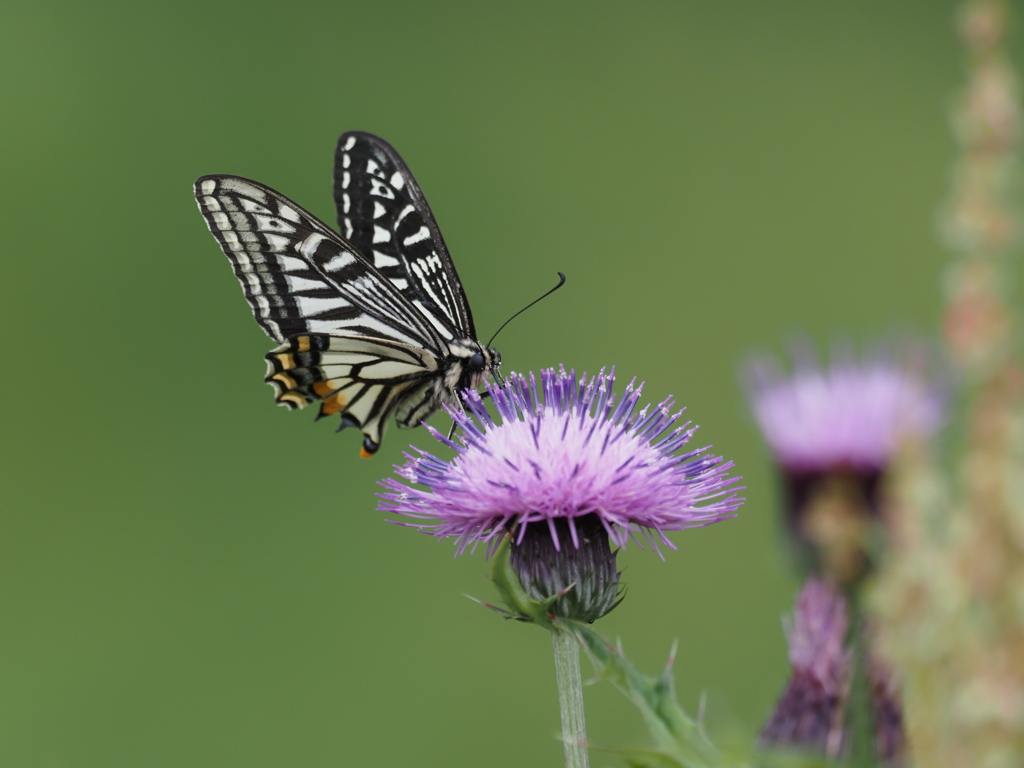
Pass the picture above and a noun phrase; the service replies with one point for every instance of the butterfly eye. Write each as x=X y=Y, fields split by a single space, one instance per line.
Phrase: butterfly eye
x=476 y=362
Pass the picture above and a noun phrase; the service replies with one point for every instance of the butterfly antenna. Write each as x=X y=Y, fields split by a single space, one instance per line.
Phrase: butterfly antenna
x=561 y=282
x=494 y=372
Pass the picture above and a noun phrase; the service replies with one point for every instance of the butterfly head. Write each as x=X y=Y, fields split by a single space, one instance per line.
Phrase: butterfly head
x=471 y=364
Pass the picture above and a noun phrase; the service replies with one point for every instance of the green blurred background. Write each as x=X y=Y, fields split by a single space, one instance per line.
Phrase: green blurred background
x=192 y=577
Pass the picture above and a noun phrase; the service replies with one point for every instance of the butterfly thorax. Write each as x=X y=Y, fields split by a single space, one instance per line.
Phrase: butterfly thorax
x=466 y=367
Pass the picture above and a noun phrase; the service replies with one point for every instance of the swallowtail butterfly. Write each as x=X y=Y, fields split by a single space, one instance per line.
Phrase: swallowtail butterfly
x=372 y=322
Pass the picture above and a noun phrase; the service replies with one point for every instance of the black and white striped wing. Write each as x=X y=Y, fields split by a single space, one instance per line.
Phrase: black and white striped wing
x=350 y=338
x=383 y=212
x=298 y=275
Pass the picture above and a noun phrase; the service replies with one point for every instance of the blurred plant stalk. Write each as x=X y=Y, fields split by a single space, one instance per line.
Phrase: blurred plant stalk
x=950 y=596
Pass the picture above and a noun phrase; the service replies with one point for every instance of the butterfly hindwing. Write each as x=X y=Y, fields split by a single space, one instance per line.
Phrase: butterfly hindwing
x=383 y=212
x=365 y=380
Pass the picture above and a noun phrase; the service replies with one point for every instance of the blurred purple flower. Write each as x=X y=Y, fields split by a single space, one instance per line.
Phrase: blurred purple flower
x=549 y=461
x=811 y=711
x=853 y=413
x=833 y=432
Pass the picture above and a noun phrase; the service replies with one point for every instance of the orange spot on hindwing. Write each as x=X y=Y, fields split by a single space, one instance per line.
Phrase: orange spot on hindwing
x=333 y=404
x=285 y=379
x=368 y=447
x=286 y=361
x=323 y=388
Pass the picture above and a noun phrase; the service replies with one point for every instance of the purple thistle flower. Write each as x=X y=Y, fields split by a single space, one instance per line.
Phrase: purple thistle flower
x=814 y=712
x=854 y=413
x=816 y=634
x=833 y=432
x=565 y=468
x=811 y=711
x=575 y=451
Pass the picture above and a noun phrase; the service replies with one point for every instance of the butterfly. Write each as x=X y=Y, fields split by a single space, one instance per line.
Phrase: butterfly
x=372 y=322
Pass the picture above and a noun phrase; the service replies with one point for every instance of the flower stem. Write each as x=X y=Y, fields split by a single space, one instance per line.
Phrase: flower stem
x=862 y=733
x=570 y=697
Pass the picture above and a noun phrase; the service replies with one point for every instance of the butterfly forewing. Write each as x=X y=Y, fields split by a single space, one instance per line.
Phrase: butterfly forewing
x=383 y=212
x=298 y=275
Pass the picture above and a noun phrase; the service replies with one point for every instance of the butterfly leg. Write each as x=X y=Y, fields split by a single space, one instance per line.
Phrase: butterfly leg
x=455 y=425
